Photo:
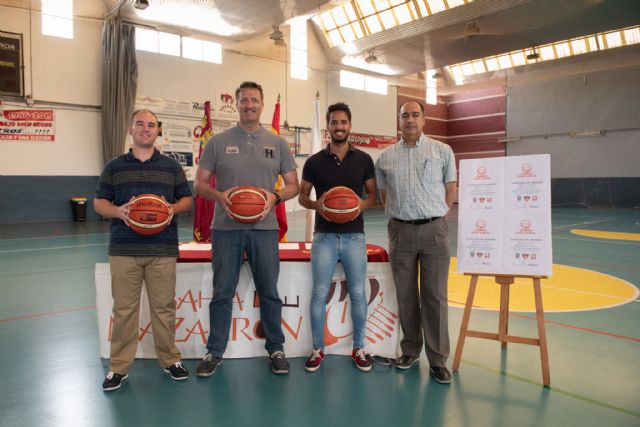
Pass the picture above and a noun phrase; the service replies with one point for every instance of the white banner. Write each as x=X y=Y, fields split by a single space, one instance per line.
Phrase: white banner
x=246 y=339
x=504 y=223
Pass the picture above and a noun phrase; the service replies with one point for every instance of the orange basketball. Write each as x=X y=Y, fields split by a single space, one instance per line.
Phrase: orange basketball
x=341 y=205
x=148 y=214
x=247 y=204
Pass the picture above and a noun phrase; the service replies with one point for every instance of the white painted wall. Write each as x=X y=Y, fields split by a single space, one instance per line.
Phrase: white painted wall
x=69 y=71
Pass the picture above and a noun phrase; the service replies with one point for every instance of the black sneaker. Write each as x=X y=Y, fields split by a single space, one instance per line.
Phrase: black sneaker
x=113 y=381
x=441 y=374
x=279 y=364
x=177 y=371
x=208 y=366
x=405 y=362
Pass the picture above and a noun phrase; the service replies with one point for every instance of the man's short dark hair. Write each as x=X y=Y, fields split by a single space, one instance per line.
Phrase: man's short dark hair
x=412 y=100
x=249 y=85
x=338 y=106
x=142 y=110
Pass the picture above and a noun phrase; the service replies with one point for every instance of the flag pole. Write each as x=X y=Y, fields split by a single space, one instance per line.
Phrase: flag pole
x=316 y=145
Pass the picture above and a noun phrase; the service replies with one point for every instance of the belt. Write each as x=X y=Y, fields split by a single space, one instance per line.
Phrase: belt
x=418 y=221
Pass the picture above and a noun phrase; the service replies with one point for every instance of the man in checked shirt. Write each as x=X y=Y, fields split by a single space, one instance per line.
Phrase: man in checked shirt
x=417 y=182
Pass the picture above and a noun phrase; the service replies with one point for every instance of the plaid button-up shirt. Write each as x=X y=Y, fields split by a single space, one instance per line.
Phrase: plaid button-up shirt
x=414 y=178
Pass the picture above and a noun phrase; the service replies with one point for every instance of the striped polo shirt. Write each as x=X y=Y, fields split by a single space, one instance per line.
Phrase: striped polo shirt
x=125 y=177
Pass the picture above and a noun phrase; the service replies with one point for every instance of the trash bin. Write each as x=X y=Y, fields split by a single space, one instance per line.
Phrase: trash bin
x=79 y=205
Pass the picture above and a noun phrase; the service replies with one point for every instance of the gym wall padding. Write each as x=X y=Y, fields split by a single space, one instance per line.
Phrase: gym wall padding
x=30 y=199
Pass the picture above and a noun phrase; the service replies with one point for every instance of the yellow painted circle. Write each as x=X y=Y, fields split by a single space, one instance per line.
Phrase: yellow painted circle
x=615 y=235
x=569 y=289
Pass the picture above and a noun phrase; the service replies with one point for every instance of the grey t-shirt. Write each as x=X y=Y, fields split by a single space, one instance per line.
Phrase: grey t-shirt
x=240 y=158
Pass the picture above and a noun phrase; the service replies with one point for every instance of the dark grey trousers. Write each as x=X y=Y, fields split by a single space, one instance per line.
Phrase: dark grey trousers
x=422 y=250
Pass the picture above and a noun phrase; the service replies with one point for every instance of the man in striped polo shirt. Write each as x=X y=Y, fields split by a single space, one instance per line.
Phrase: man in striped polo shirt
x=417 y=182
x=135 y=258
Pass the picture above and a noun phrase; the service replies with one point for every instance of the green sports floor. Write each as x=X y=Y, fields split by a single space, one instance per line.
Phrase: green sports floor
x=51 y=374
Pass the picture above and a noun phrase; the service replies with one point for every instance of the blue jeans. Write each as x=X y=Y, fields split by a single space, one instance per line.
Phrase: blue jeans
x=228 y=249
x=327 y=250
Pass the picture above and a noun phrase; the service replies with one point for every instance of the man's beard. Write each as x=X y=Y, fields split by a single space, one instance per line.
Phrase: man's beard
x=340 y=141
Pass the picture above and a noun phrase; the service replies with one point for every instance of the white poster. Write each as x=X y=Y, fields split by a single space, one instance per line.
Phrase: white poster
x=505 y=216
x=246 y=339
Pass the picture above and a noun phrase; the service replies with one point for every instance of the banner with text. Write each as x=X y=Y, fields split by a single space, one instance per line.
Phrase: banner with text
x=246 y=337
x=27 y=125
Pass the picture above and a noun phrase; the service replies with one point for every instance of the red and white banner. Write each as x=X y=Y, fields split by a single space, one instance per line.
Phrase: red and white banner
x=364 y=140
x=27 y=125
x=246 y=337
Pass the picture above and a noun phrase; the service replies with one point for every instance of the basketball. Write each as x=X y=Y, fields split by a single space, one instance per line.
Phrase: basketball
x=247 y=204
x=148 y=214
x=341 y=205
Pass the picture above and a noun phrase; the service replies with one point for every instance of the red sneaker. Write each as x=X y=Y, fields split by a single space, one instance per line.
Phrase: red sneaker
x=360 y=359
x=313 y=362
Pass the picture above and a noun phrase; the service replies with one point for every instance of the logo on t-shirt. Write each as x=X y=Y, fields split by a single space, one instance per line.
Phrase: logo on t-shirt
x=232 y=150
x=268 y=152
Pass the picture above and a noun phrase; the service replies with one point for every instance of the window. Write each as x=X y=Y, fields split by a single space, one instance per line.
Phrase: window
x=169 y=44
x=359 y=18
x=298 y=49
x=431 y=87
x=57 y=18
x=361 y=82
x=174 y=45
x=548 y=52
x=146 y=40
x=201 y=50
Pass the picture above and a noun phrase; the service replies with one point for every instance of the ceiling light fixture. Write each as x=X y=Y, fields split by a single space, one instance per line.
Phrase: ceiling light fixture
x=371 y=58
x=533 y=55
x=276 y=34
x=141 y=4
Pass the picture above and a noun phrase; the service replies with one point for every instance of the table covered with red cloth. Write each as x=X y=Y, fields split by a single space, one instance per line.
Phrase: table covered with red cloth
x=290 y=251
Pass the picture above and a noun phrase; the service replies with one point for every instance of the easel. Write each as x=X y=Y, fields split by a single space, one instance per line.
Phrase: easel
x=505 y=281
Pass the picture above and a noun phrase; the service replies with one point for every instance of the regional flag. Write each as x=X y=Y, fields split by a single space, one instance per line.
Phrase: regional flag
x=204 y=208
x=281 y=211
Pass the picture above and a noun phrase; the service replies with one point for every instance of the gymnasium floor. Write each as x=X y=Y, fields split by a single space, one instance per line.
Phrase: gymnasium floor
x=50 y=372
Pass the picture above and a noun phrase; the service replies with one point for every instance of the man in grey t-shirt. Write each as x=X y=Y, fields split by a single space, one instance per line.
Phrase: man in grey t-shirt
x=247 y=154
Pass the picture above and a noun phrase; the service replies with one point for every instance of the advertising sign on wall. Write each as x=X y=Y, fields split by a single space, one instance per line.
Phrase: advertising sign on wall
x=27 y=125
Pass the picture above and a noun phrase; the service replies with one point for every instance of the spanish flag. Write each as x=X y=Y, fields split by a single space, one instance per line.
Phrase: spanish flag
x=204 y=208
x=281 y=211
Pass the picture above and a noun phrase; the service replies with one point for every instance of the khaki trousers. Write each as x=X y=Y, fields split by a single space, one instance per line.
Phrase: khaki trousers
x=423 y=307
x=127 y=276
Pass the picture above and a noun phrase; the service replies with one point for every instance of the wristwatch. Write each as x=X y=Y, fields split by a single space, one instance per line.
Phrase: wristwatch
x=278 y=198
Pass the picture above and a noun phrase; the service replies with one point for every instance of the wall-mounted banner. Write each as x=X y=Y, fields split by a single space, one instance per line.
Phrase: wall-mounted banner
x=11 y=64
x=27 y=125
x=246 y=336
x=365 y=140
x=170 y=106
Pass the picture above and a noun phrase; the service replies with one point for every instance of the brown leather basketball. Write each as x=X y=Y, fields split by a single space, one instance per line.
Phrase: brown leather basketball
x=341 y=205
x=148 y=214
x=247 y=204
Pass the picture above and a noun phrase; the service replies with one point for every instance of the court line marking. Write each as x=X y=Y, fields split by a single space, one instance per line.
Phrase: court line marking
x=46 y=314
x=597 y=221
x=52 y=248
x=553 y=389
x=590 y=239
x=551 y=322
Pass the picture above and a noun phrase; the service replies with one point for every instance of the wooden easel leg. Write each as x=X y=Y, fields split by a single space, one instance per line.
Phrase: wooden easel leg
x=503 y=323
x=544 y=356
x=465 y=322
